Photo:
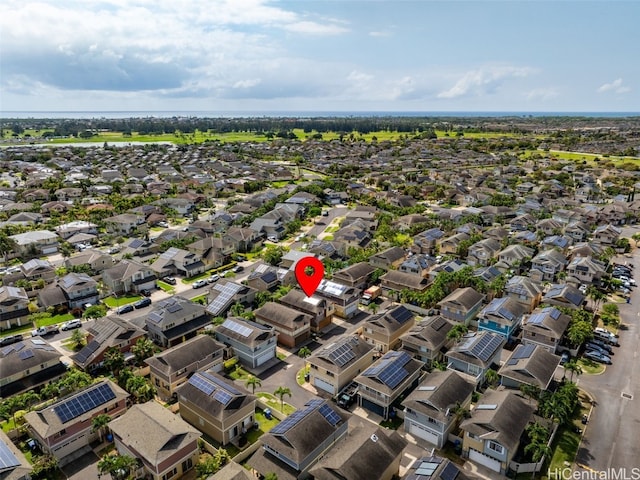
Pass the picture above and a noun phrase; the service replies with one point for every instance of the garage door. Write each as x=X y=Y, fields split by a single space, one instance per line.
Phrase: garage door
x=422 y=432
x=482 y=459
x=265 y=357
x=324 y=385
x=49 y=250
x=373 y=407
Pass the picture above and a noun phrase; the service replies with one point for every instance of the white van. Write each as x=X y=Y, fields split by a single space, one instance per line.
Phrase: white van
x=605 y=336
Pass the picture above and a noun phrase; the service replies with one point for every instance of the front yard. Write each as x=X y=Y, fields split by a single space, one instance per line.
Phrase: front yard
x=275 y=403
x=115 y=302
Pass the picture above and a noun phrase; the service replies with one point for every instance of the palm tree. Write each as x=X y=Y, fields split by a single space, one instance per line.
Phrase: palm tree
x=50 y=390
x=143 y=349
x=253 y=382
x=492 y=378
x=114 y=360
x=304 y=352
x=7 y=245
x=237 y=309
x=596 y=296
x=459 y=413
x=538 y=451
x=457 y=332
x=530 y=391
x=140 y=388
x=373 y=306
x=573 y=367
x=281 y=392
x=98 y=423
x=437 y=365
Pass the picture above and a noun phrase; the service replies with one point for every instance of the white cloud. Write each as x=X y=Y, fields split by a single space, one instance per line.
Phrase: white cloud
x=483 y=80
x=542 y=94
x=380 y=33
x=314 y=28
x=616 y=87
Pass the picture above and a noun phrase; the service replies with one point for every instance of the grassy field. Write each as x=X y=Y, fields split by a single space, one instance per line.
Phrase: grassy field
x=274 y=402
x=113 y=302
x=43 y=322
x=579 y=156
x=590 y=367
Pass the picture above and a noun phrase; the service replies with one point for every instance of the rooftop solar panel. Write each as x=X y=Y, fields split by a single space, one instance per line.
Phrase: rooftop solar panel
x=330 y=415
x=292 y=420
x=174 y=308
x=8 y=460
x=524 y=351
x=316 y=402
x=202 y=384
x=486 y=346
x=224 y=297
x=222 y=396
x=26 y=354
x=84 y=402
x=427 y=468
x=449 y=472
x=221 y=384
x=237 y=327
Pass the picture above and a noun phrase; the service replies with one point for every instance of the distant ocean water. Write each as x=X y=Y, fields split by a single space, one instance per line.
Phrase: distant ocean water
x=301 y=114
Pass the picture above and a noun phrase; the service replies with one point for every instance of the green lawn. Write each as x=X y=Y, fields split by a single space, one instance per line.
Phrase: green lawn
x=274 y=402
x=8 y=425
x=239 y=373
x=17 y=330
x=265 y=426
x=43 y=322
x=165 y=286
x=300 y=375
x=115 y=302
x=281 y=356
x=590 y=367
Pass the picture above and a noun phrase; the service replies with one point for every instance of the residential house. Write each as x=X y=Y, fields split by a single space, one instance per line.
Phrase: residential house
x=74 y=290
x=28 y=364
x=394 y=282
x=69 y=194
x=139 y=248
x=549 y=226
x=461 y=305
x=405 y=222
x=103 y=334
x=291 y=258
x=293 y=327
x=225 y=293
x=545 y=327
x=34 y=244
x=68 y=230
x=357 y=275
x=429 y=411
x=515 y=256
x=389 y=259
x=32 y=271
x=213 y=251
x=523 y=222
x=418 y=264
x=426 y=242
x=353 y=235
x=450 y=245
x=366 y=452
x=182 y=206
x=558 y=242
x=345 y=299
x=175 y=320
x=383 y=382
x=15 y=465
x=427 y=339
x=291 y=448
x=564 y=295
x=166 y=445
x=474 y=354
x=217 y=406
x=586 y=270
x=254 y=344
x=14 y=307
x=178 y=261
x=124 y=223
x=502 y=316
x=363 y=215
x=492 y=434
x=319 y=309
x=529 y=364
x=483 y=252
x=97 y=260
x=263 y=278
x=546 y=265
x=525 y=291
x=232 y=471
x=243 y=239
x=335 y=365
x=129 y=276
x=63 y=429
x=171 y=368
x=435 y=468
x=577 y=231
x=606 y=234
x=383 y=330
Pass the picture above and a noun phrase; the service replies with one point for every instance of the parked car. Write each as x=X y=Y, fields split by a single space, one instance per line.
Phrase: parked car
x=603 y=331
x=71 y=324
x=238 y=269
x=11 y=339
x=199 y=284
x=125 y=309
x=599 y=343
x=169 y=280
x=39 y=332
x=597 y=357
x=605 y=337
x=144 y=302
x=146 y=292
x=213 y=278
x=348 y=395
x=325 y=213
x=595 y=348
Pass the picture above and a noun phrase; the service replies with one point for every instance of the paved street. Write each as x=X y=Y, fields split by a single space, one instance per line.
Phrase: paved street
x=610 y=439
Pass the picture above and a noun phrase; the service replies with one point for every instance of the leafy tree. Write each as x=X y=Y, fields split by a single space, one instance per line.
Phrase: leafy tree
x=7 y=245
x=114 y=360
x=77 y=339
x=304 y=352
x=253 y=382
x=530 y=391
x=140 y=388
x=492 y=378
x=95 y=311
x=273 y=254
x=636 y=238
x=281 y=392
x=98 y=424
x=271 y=476
x=143 y=349
x=374 y=307
x=457 y=332
x=118 y=466
x=579 y=332
x=237 y=309
x=44 y=467
x=573 y=367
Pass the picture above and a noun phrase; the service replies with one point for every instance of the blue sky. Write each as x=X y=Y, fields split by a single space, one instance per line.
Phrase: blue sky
x=332 y=55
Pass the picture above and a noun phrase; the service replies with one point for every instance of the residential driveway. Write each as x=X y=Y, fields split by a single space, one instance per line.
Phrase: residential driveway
x=611 y=437
x=83 y=468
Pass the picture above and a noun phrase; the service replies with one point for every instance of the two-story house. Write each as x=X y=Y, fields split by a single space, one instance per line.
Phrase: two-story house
x=294 y=446
x=124 y=224
x=32 y=271
x=68 y=230
x=28 y=364
x=384 y=381
x=429 y=409
x=319 y=309
x=474 y=354
x=34 y=244
x=449 y=245
x=178 y=261
x=394 y=282
x=338 y=363
x=483 y=252
x=525 y=291
x=586 y=270
x=515 y=255
x=225 y=293
x=418 y=264
x=172 y=367
x=564 y=295
x=461 y=305
x=606 y=234
x=97 y=260
x=174 y=320
x=357 y=275
x=427 y=340
x=15 y=465
x=216 y=406
x=129 y=276
x=64 y=427
x=74 y=290
x=14 y=307
x=254 y=344
x=425 y=242
x=502 y=316
x=529 y=364
x=345 y=299
x=293 y=326
x=165 y=445
x=389 y=259
x=545 y=327
x=492 y=434
x=546 y=265
x=384 y=329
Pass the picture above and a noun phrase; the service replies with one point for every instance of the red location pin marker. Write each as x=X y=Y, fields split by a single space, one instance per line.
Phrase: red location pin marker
x=309 y=281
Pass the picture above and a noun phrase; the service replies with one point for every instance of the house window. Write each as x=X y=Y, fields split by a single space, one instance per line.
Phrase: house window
x=431 y=420
x=169 y=474
x=187 y=464
x=496 y=447
x=471 y=435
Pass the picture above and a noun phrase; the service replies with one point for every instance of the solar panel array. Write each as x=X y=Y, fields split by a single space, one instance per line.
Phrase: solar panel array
x=390 y=369
x=522 y=351
x=201 y=384
x=449 y=472
x=293 y=419
x=176 y=307
x=211 y=386
x=155 y=317
x=237 y=327
x=330 y=415
x=169 y=254
x=221 y=384
x=438 y=323
x=537 y=318
x=342 y=353
x=225 y=295
x=136 y=243
x=84 y=402
x=428 y=466
x=26 y=354
x=486 y=346
x=401 y=314
x=8 y=460
x=87 y=351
